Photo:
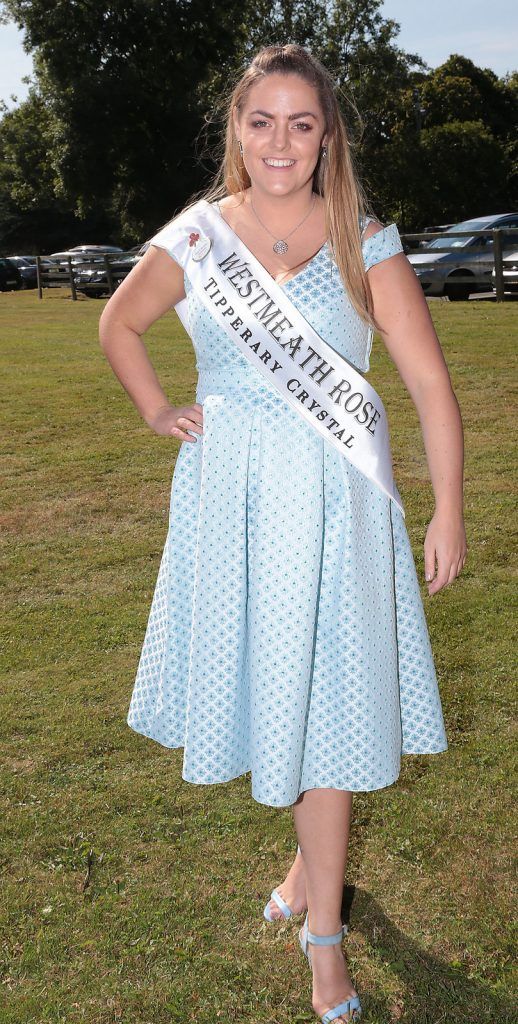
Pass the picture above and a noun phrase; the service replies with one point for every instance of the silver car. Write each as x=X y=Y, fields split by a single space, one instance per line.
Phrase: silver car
x=510 y=273
x=437 y=273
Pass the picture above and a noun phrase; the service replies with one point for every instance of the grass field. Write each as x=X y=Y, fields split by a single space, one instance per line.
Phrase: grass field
x=132 y=897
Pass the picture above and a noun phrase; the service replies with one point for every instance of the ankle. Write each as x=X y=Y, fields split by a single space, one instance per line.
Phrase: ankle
x=324 y=924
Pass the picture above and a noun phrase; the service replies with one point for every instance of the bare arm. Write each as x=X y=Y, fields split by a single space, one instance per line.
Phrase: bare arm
x=408 y=333
x=150 y=289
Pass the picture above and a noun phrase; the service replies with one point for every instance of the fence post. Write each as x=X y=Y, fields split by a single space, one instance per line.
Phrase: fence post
x=499 y=270
x=109 y=274
x=71 y=279
x=38 y=276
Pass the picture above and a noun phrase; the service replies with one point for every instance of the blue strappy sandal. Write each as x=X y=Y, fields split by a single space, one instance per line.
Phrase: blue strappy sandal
x=352 y=1005
x=284 y=907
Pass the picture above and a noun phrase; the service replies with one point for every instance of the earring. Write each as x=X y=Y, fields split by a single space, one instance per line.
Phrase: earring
x=240 y=147
x=324 y=151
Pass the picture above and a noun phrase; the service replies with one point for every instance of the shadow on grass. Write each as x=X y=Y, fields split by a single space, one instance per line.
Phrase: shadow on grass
x=435 y=992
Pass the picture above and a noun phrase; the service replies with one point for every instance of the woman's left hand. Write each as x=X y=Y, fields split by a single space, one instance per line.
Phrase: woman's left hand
x=445 y=543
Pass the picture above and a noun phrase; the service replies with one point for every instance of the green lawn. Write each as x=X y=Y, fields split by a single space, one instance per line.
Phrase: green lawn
x=132 y=897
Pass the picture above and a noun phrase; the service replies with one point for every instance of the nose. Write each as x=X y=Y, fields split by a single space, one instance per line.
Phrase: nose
x=281 y=138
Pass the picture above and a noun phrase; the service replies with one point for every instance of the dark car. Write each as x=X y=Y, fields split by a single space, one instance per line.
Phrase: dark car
x=10 y=277
x=93 y=280
x=27 y=267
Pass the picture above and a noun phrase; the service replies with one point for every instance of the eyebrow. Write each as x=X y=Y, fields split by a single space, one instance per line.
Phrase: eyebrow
x=291 y=117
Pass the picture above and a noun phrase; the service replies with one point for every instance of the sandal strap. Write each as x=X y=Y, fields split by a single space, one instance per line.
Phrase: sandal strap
x=327 y=940
x=277 y=898
x=321 y=940
x=337 y=1011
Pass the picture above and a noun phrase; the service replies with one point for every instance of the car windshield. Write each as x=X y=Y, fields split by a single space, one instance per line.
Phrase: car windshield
x=457 y=243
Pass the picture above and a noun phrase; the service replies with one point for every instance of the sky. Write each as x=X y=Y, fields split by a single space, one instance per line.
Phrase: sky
x=486 y=32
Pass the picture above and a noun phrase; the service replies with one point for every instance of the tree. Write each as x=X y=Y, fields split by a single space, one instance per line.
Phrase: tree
x=451 y=147
x=126 y=109
x=120 y=81
x=30 y=205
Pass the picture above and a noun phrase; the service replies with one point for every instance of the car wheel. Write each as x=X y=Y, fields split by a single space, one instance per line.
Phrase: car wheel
x=458 y=292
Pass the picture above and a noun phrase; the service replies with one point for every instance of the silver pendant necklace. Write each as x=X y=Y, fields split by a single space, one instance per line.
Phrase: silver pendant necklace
x=281 y=246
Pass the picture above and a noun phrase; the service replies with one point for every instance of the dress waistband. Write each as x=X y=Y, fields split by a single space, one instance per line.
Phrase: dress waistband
x=234 y=382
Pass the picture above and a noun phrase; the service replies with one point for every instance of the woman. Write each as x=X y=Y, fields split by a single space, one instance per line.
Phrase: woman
x=287 y=634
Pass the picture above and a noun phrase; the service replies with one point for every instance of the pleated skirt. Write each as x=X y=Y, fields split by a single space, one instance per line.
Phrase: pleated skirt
x=286 y=635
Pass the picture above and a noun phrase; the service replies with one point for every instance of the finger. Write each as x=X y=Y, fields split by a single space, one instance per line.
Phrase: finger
x=453 y=573
x=190 y=418
x=197 y=418
x=195 y=413
x=441 y=578
x=445 y=575
x=182 y=435
x=429 y=564
x=197 y=426
x=187 y=424
x=191 y=425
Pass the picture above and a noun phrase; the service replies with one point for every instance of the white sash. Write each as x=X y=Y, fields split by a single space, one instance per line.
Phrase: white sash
x=269 y=330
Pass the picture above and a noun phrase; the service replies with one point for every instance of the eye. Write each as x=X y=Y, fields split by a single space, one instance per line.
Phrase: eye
x=303 y=124
x=255 y=124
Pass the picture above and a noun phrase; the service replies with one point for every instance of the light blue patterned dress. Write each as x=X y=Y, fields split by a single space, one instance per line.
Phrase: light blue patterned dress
x=286 y=636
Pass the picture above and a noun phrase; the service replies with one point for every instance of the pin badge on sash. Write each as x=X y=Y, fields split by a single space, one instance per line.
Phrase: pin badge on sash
x=201 y=245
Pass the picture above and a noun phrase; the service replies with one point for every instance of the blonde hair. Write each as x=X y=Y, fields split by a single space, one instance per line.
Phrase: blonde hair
x=335 y=177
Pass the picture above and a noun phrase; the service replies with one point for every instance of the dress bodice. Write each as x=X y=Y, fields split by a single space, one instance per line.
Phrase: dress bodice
x=320 y=296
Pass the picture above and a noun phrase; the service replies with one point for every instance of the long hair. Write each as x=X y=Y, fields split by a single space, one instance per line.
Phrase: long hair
x=335 y=177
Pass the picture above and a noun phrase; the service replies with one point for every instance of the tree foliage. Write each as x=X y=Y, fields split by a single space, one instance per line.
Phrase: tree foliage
x=123 y=122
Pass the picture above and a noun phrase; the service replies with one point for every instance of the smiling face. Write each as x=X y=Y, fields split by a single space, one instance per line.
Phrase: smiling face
x=282 y=129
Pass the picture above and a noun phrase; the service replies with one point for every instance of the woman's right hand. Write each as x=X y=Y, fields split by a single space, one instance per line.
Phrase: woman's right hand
x=176 y=420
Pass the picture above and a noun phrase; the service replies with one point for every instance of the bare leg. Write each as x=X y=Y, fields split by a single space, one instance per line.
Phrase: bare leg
x=322 y=819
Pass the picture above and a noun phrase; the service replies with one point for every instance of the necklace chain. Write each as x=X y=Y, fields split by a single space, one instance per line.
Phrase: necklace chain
x=281 y=246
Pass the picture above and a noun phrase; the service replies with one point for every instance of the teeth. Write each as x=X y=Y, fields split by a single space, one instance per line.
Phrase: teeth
x=279 y=163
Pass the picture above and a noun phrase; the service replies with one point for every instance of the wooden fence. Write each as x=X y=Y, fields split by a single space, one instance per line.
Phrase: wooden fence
x=63 y=274
x=411 y=242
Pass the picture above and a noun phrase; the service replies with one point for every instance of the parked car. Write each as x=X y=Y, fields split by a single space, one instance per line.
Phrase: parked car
x=93 y=280
x=10 y=277
x=87 y=249
x=510 y=273
x=80 y=255
x=27 y=267
x=438 y=227
x=436 y=273
x=432 y=228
